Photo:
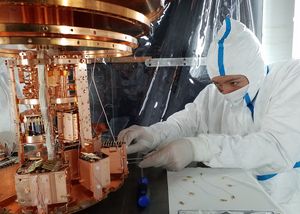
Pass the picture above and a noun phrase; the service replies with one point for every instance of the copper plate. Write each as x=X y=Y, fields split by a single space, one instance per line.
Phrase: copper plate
x=64 y=100
x=34 y=139
x=29 y=101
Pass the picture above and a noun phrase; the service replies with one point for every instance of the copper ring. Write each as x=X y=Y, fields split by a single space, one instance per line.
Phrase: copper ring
x=36 y=30
x=63 y=42
x=10 y=53
x=87 y=6
x=99 y=6
x=93 y=54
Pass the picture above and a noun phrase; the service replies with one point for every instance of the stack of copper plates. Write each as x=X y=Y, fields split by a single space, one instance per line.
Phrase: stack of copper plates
x=2 y=153
x=91 y=28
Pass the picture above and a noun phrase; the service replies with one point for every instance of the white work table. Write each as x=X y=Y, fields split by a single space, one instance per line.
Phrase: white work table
x=215 y=191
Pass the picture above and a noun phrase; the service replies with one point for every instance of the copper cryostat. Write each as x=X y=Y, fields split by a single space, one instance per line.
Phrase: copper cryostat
x=61 y=162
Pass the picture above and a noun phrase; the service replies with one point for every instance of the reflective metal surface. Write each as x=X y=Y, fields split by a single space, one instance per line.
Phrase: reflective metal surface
x=69 y=31
x=90 y=27
x=35 y=139
x=82 y=13
x=29 y=101
x=64 y=100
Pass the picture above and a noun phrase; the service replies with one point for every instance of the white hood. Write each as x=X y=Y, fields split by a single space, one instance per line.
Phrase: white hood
x=236 y=50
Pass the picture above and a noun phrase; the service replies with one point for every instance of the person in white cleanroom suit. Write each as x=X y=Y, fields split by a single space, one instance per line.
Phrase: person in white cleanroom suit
x=249 y=118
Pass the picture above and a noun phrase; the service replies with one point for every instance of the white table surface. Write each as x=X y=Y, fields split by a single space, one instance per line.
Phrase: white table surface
x=214 y=190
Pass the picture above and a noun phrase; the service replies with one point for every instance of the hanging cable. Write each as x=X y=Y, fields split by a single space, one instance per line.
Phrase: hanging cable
x=103 y=109
x=106 y=118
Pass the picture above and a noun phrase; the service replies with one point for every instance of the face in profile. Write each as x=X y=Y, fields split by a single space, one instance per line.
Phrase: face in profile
x=229 y=83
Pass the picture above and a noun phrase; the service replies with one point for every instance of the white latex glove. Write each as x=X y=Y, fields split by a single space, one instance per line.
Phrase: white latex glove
x=174 y=156
x=143 y=140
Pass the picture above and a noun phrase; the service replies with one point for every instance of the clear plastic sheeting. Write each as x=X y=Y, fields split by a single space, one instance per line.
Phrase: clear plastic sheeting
x=7 y=137
x=133 y=93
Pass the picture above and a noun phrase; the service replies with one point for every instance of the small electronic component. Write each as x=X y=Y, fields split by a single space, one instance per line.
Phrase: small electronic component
x=2 y=155
x=34 y=126
x=70 y=126
x=91 y=157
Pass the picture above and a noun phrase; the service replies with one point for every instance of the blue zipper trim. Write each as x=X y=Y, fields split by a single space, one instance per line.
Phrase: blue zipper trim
x=251 y=107
x=249 y=104
x=221 y=47
x=266 y=177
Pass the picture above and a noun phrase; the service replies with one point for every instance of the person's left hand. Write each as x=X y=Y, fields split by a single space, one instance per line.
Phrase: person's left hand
x=174 y=156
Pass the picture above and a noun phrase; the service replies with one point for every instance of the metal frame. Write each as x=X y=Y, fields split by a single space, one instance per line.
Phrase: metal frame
x=83 y=104
x=149 y=61
x=175 y=62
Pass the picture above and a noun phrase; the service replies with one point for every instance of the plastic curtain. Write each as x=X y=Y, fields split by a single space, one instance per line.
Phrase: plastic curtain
x=135 y=94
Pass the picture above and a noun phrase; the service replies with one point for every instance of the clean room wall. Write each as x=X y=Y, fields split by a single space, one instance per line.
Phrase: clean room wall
x=278 y=26
x=296 y=35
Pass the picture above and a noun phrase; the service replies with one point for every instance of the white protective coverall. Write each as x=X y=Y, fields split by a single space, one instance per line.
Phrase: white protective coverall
x=221 y=128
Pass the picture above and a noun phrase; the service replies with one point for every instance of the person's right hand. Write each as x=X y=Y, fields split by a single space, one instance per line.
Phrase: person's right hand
x=137 y=139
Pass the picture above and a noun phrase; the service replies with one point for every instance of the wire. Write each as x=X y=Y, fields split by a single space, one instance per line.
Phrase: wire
x=93 y=105
x=169 y=94
x=103 y=109
x=112 y=94
x=102 y=112
x=148 y=91
x=106 y=118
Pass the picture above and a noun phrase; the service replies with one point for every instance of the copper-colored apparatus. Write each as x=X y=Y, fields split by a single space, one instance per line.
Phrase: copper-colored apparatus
x=60 y=159
x=90 y=27
x=62 y=163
